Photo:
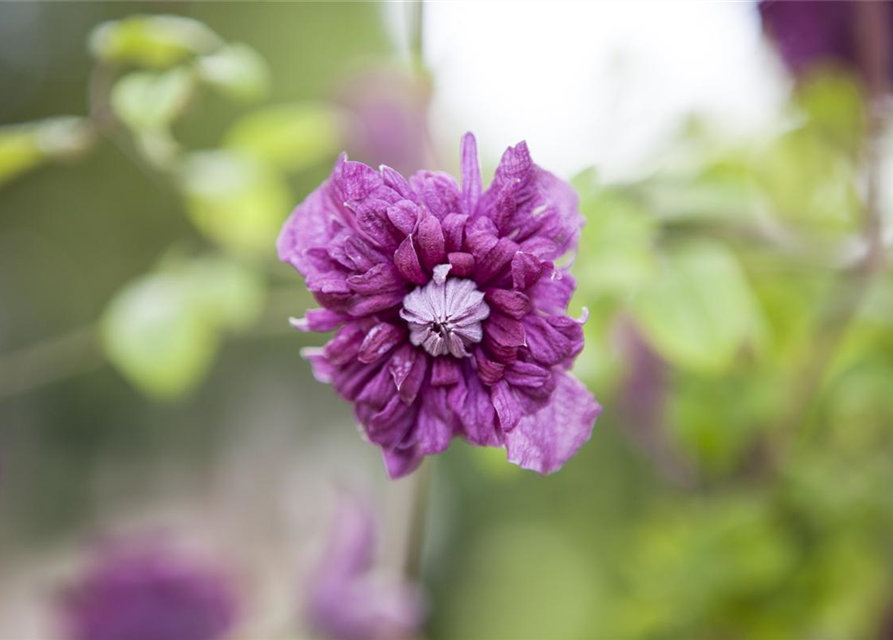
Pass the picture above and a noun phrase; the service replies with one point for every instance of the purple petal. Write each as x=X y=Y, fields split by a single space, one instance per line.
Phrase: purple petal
x=360 y=305
x=506 y=404
x=552 y=293
x=526 y=270
x=373 y=221
x=345 y=345
x=496 y=263
x=433 y=430
x=395 y=180
x=512 y=303
x=445 y=371
x=431 y=243
x=454 y=231
x=554 y=339
x=544 y=441
x=382 y=278
x=478 y=418
x=404 y=215
x=471 y=174
x=314 y=223
x=400 y=462
x=407 y=261
x=438 y=191
x=319 y=320
x=480 y=237
x=502 y=337
x=379 y=341
x=490 y=372
x=462 y=264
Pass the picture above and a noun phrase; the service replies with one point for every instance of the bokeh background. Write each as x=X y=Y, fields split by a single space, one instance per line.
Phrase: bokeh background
x=740 y=481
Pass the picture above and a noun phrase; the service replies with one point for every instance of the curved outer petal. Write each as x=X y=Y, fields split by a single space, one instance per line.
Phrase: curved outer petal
x=547 y=439
x=314 y=223
x=547 y=219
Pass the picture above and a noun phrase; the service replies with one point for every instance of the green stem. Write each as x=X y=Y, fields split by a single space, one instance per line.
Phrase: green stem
x=417 y=519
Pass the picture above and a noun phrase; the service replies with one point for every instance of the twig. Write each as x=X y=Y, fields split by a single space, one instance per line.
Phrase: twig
x=66 y=355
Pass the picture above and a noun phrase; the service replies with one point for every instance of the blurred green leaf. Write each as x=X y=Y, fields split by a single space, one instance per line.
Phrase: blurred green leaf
x=26 y=146
x=152 y=41
x=235 y=199
x=290 y=136
x=717 y=421
x=619 y=243
x=835 y=108
x=19 y=152
x=699 y=310
x=157 y=337
x=808 y=182
x=163 y=329
x=149 y=101
x=230 y=294
x=687 y=565
x=237 y=70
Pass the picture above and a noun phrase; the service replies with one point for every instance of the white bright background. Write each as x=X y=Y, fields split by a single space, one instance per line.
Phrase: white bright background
x=593 y=82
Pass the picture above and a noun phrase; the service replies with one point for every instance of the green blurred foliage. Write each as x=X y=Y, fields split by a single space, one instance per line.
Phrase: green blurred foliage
x=738 y=484
x=163 y=330
x=151 y=41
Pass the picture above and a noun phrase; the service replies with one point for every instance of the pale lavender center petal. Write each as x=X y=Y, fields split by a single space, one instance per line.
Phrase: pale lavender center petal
x=445 y=316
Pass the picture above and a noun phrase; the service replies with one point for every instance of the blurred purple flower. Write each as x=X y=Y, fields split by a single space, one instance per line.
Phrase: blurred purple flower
x=808 y=33
x=146 y=592
x=451 y=313
x=346 y=600
x=390 y=117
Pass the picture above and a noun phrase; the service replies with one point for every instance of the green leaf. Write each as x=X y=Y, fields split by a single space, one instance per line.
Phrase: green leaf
x=699 y=310
x=163 y=329
x=808 y=181
x=149 y=101
x=834 y=104
x=619 y=238
x=26 y=146
x=230 y=294
x=290 y=136
x=19 y=152
x=235 y=199
x=152 y=41
x=157 y=337
x=237 y=70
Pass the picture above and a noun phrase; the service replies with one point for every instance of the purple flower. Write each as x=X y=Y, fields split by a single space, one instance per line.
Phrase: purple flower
x=346 y=600
x=449 y=308
x=149 y=593
x=814 y=32
x=390 y=116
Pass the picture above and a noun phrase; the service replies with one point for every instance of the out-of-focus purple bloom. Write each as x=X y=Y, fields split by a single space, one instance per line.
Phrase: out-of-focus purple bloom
x=347 y=601
x=449 y=308
x=809 y=33
x=147 y=592
x=390 y=117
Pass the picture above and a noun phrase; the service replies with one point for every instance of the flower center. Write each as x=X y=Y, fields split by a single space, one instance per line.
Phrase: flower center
x=445 y=316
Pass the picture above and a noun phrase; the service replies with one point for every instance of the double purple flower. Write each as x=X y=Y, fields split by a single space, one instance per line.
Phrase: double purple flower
x=347 y=599
x=809 y=33
x=449 y=308
x=147 y=592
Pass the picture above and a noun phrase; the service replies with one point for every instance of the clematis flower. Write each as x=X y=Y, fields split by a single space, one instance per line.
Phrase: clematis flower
x=346 y=599
x=146 y=592
x=449 y=307
x=389 y=108
x=809 y=33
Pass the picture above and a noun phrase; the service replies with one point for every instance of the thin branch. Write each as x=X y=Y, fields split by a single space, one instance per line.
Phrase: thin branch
x=69 y=354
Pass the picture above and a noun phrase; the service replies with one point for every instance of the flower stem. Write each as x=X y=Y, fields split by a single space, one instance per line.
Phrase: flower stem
x=418 y=517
